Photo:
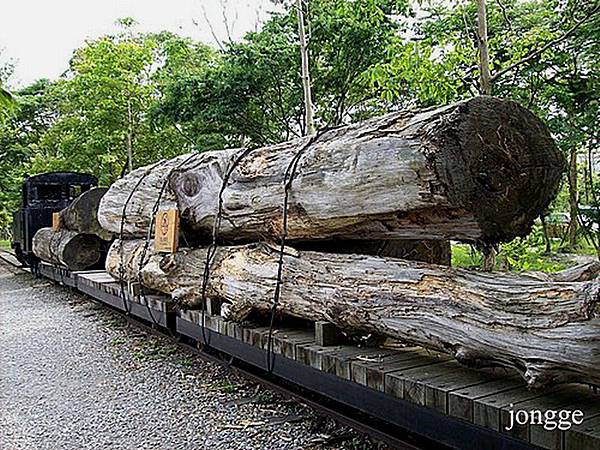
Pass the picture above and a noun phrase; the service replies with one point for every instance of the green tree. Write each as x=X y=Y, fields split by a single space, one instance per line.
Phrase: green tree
x=104 y=122
x=7 y=100
x=20 y=135
x=542 y=54
x=253 y=95
x=88 y=120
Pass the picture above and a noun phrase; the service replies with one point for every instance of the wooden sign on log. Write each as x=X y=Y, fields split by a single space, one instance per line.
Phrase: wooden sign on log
x=55 y=221
x=167 y=231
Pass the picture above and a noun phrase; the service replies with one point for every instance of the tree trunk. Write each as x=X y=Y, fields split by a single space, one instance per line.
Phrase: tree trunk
x=581 y=272
x=547 y=242
x=82 y=214
x=482 y=42
x=481 y=171
x=308 y=106
x=129 y=142
x=573 y=199
x=75 y=251
x=549 y=332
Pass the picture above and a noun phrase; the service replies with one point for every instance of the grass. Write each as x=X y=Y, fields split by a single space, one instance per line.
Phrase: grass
x=519 y=260
x=5 y=244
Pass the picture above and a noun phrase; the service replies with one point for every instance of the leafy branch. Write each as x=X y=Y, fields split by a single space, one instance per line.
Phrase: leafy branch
x=548 y=45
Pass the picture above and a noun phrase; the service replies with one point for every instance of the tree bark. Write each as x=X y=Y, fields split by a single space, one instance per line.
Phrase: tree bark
x=73 y=250
x=573 y=199
x=480 y=171
x=82 y=214
x=306 y=84
x=549 y=332
x=129 y=142
x=482 y=42
x=547 y=242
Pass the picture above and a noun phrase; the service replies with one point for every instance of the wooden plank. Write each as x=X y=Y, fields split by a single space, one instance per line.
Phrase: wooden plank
x=585 y=436
x=312 y=354
x=460 y=401
x=286 y=342
x=189 y=315
x=486 y=410
x=234 y=330
x=429 y=386
x=546 y=402
x=338 y=361
x=97 y=277
x=88 y=272
x=343 y=359
x=213 y=307
x=254 y=335
x=372 y=373
x=415 y=379
x=158 y=302
x=327 y=334
x=576 y=397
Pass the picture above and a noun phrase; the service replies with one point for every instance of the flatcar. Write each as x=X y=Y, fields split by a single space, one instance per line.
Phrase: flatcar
x=42 y=195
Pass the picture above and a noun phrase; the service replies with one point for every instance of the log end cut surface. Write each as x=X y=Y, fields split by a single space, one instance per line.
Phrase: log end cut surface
x=73 y=250
x=499 y=161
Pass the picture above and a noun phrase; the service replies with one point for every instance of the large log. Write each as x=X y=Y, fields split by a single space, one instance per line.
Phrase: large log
x=549 y=332
x=82 y=214
x=73 y=250
x=480 y=170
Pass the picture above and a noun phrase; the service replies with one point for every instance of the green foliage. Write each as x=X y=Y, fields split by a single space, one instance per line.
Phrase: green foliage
x=20 y=135
x=7 y=100
x=114 y=83
x=527 y=253
x=521 y=254
x=252 y=95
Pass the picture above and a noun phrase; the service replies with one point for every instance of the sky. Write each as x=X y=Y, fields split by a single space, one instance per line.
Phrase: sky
x=39 y=36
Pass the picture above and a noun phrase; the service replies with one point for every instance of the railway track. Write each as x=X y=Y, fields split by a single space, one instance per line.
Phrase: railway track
x=10 y=258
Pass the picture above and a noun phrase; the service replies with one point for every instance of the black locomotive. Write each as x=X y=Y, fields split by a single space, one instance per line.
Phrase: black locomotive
x=42 y=195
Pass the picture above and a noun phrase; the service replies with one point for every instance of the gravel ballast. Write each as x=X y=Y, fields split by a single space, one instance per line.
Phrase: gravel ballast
x=76 y=375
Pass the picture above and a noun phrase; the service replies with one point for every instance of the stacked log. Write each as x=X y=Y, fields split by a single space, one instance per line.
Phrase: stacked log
x=80 y=241
x=361 y=200
x=82 y=215
x=73 y=250
x=549 y=332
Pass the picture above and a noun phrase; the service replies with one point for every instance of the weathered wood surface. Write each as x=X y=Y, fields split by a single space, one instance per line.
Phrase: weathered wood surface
x=479 y=170
x=82 y=214
x=549 y=332
x=73 y=250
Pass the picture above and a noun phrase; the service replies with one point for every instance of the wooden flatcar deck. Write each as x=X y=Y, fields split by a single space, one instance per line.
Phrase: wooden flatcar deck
x=425 y=392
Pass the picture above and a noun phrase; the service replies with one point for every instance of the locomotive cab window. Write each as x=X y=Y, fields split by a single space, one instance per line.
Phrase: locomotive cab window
x=47 y=192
